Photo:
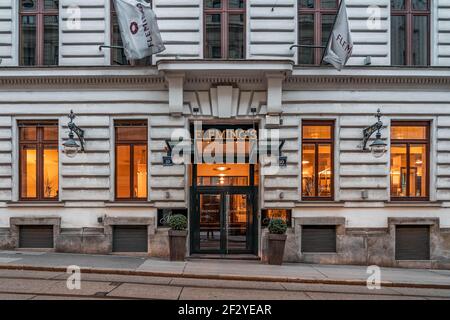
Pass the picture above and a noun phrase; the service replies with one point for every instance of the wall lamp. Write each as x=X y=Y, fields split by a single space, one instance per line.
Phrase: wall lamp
x=71 y=147
x=378 y=147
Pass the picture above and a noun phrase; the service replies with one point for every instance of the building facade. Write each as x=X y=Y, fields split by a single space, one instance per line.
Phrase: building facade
x=228 y=65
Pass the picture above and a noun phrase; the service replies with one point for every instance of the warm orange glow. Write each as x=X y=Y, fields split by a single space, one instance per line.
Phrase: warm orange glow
x=316 y=132
x=29 y=168
x=50 y=173
x=408 y=132
x=231 y=174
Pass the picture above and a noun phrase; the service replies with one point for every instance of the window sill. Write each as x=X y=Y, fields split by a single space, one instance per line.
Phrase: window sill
x=130 y=204
x=40 y=204
x=316 y=203
x=413 y=203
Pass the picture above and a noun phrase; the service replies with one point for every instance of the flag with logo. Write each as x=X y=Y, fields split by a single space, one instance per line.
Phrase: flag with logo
x=340 y=44
x=138 y=28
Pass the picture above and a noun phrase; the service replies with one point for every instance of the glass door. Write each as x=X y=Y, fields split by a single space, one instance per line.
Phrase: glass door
x=224 y=223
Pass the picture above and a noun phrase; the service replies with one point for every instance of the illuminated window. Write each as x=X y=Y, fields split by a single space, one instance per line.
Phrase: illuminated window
x=317 y=160
x=409 y=160
x=38 y=144
x=131 y=160
x=39 y=32
x=315 y=21
x=224 y=29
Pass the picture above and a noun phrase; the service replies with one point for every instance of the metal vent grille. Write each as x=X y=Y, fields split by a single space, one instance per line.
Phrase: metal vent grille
x=412 y=243
x=130 y=238
x=36 y=236
x=318 y=238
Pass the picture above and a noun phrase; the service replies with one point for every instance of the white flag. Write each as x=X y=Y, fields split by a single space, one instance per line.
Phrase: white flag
x=138 y=28
x=340 y=45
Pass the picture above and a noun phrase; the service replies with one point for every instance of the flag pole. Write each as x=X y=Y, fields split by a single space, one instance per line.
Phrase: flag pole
x=331 y=32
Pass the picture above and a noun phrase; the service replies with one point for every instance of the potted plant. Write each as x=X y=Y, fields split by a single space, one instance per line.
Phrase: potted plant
x=277 y=240
x=177 y=237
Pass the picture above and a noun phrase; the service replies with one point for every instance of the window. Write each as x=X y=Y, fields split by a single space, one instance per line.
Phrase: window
x=410 y=30
x=315 y=21
x=38 y=145
x=131 y=160
x=224 y=29
x=39 y=32
x=317 y=160
x=409 y=160
x=118 y=56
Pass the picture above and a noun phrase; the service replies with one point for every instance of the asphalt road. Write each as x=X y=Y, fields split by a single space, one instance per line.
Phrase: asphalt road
x=38 y=285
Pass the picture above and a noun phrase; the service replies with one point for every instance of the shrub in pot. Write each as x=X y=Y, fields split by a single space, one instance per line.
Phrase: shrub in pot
x=177 y=237
x=277 y=240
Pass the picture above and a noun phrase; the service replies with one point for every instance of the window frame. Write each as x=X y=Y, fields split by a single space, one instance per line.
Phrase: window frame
x=409 y=13
x=408 y=142
x=316 y=143
x=224 y=12
x=317 y=12
x=131 y=143
x=39 y=143
x=40 y=13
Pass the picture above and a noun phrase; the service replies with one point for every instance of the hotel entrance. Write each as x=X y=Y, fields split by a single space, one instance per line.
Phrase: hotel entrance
x=223 y=218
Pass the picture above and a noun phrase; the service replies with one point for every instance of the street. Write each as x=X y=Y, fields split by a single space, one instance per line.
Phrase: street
x=44 y=285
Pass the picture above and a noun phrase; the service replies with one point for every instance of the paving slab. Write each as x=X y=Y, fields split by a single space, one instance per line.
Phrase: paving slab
x=4 y=296
x=26 y=286
x=241 y=294
x=162 y=266
x=146 y=291
x=87 y=288
x=260 y=285
x=31 y=274
x=118 y=278
x=336 y=288
x=345 y=296
x=423 y=292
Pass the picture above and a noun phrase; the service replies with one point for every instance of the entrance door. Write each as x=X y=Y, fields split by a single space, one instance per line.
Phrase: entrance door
x=225 y=221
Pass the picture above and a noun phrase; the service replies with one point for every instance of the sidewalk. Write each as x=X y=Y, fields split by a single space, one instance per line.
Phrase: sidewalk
x=223 y=269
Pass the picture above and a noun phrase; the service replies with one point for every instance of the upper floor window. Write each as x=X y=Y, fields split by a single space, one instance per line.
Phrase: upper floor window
x=410 y=30
x=38 y=158
x=410 y=143
x=317 y=160
x=224 y=29
x=131 y=160
x=39 y=32
x=118 y=56
x=315 y=22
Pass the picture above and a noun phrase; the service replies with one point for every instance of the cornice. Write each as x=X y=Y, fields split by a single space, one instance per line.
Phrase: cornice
x=369 y=80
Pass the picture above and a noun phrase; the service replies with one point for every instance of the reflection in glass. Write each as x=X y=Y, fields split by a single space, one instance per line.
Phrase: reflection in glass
x=50 y=178
x=398 y=4
x=140 y=171
x=223 y=174
x=28 y=41
x=328 y=4
x=51 y=42
x=235 y=4
x=324 y=171
x=213 y=36
x=51 y=133
x=417 y=171
x=398 y=40
x=209 y=221
x=236 y=36
x=398 y=171
x=118 y=55
x=28 y=172
x=213 y=4
x=306 y=4
x=420 y=41
x=130 y=133
x=51 y=4
x=28 y=133
x=327 y=26
x=306 y=36
x=123 y=170
x=308 y=170
x=420 y=4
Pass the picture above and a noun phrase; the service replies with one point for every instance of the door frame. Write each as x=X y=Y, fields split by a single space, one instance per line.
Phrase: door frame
x=252 y=223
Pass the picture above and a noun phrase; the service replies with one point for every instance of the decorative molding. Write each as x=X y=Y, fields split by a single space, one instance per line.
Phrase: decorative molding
x=368 y=80
x=80 y=81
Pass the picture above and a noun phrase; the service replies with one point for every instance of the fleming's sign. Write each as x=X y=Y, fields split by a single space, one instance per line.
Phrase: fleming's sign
x=227 y=134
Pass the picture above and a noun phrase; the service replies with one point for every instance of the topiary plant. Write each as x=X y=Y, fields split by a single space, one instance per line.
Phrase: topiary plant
x=178 y=222
x=277 y=226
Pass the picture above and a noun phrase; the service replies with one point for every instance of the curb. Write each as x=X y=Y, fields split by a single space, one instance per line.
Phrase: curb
x=128 y=272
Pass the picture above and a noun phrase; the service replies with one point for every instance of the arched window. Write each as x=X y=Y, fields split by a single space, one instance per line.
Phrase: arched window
x=39 y=32
x=410 y=30
x=224 y=29
x=315 y=21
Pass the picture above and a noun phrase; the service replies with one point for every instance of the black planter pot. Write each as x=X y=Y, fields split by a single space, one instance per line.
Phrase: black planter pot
x=177 y=244
x=276 y=248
